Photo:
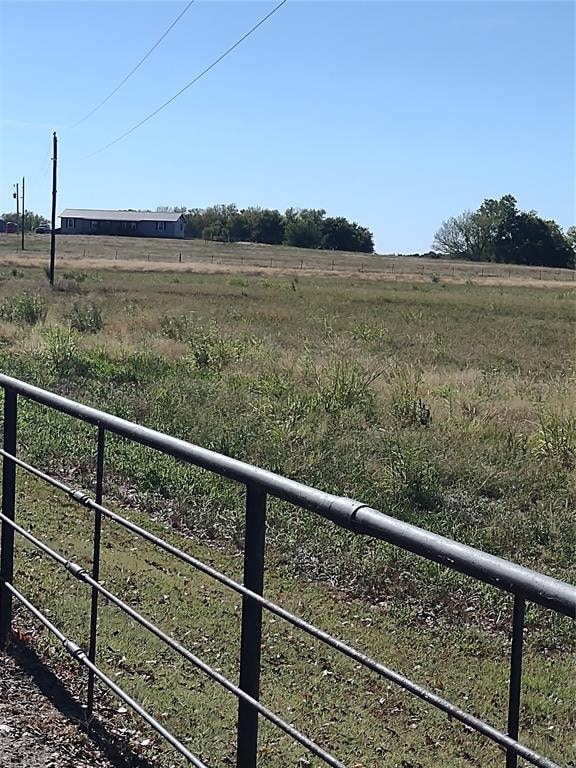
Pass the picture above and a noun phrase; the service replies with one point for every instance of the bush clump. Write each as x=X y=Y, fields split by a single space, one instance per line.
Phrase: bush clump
x=86 y=318
x=26 y=309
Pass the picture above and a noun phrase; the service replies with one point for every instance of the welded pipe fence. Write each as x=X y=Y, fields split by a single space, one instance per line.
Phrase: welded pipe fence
x=522 y=583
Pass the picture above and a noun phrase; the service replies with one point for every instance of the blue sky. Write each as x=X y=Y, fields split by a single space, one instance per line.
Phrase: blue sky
x=394 y=114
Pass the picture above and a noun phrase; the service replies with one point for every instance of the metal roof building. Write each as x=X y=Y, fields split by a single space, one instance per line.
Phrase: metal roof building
x=86 y=221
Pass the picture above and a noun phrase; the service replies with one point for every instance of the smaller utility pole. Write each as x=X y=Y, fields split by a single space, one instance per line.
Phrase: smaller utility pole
x=53 y=228
x=23 y=215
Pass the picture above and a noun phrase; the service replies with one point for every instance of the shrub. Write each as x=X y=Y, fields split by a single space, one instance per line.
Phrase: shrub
x=86 y=318
x=73 y=274
x=27 y=309
x=555 y=440
x=209 y=351
x=178 y=328
x=61 y=350
x=407 y=405
x=346 y=386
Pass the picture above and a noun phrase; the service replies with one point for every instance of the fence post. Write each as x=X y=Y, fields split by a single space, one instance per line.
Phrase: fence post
x=251 y=642
x=515 y=678
x=8 y=509
x=95 y=571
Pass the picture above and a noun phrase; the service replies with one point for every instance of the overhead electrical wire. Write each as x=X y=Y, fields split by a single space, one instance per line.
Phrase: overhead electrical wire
x=192 y=82
x=134 y=69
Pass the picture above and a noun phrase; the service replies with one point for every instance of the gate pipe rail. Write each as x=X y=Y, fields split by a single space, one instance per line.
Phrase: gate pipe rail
x=445 y=706
x=82 y=575
x=523 y=583
x=350 y=514
x=77 y=653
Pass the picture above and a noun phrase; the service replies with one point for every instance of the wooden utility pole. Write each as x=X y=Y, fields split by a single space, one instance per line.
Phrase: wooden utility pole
x=23 y=214
x=53 y=228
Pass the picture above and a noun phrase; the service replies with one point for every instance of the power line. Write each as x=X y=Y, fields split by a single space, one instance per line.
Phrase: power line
x=192 y=82
x=132 y=71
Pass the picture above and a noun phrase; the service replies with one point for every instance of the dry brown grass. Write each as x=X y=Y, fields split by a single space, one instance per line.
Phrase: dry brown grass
x=196 y=256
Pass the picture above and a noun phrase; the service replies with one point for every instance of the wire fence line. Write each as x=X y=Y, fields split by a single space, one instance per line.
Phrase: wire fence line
x=243 y=257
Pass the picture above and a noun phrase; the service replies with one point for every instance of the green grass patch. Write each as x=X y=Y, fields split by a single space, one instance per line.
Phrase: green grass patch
x=364 y=720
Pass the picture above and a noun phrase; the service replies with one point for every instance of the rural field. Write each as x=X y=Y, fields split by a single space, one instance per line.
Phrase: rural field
x=443 y=398
x=145 y=254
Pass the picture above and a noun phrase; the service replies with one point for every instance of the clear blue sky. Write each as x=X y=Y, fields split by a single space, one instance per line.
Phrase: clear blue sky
x=394 y=114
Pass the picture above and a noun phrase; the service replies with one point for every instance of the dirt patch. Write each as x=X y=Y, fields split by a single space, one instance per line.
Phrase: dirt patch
x=33 y=733
x=43 y=720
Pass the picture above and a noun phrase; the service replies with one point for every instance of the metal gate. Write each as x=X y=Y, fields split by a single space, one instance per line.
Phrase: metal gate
x=522 y=583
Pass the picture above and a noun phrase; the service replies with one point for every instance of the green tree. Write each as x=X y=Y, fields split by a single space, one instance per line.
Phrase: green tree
x=304 y=227
x=571 y=237
x=498 y=231
x=267 y=227
x=301 y=227
x=525 y=238
x=302 y=233
x=472 y=234
x=339 y=234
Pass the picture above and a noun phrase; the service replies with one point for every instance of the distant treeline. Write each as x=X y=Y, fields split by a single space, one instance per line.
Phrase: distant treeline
x=300 y=227
x=498 y=231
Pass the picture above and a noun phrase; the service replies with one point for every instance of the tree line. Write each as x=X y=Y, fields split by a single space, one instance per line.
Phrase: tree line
x=299 y=227
x=31 y=220
x=498 y=231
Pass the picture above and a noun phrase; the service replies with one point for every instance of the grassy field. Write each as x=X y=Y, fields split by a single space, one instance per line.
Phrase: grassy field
x=128 y=253
x=450 y=405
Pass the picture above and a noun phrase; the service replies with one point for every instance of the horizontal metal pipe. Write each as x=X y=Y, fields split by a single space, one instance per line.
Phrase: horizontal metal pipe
x=335 y=508
x=212 y=673
x=33 y=540
x=423 y=693
x=503 y=574
x=82 y=575
x=353 y=515
x=77 y=653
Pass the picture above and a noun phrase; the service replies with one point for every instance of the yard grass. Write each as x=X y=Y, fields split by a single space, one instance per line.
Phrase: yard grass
x=448 y=405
